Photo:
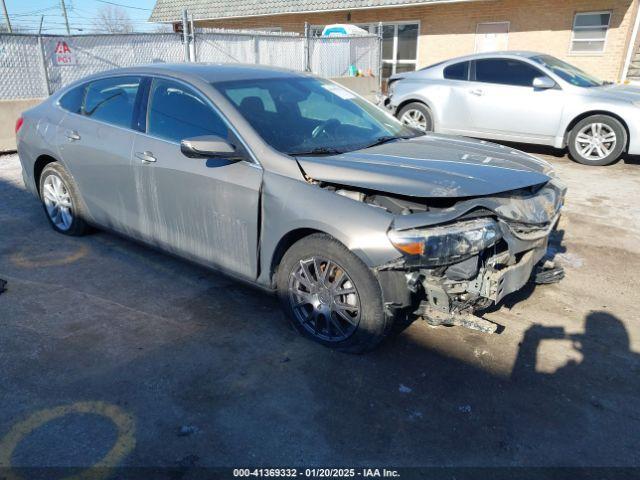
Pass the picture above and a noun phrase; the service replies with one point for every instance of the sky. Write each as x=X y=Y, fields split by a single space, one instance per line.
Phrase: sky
x=82 y=14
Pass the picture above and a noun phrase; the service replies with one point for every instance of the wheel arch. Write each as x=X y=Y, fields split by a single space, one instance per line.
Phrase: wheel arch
x=422 y=101
x=590 y=113
x=284 y=244
x=38 y=166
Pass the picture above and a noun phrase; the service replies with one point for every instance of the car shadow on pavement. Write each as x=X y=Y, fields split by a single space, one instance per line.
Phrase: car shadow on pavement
x=181 y=349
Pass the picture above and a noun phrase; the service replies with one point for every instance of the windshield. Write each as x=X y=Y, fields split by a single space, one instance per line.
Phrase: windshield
x=568 y=72
x=311 y=116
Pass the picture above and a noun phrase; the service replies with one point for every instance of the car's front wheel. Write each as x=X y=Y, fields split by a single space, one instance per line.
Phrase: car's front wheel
x=597 y=140
x=416 y=115
x=61 y=201
x=331 y=296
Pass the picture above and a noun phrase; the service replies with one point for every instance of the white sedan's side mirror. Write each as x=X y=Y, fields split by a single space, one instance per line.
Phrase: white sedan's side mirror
x=543 y=83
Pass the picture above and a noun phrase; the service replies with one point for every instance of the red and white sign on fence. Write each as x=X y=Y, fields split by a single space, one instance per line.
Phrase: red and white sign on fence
x=63 y=55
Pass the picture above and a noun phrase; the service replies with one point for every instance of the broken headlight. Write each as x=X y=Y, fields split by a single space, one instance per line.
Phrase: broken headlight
x=447 y=244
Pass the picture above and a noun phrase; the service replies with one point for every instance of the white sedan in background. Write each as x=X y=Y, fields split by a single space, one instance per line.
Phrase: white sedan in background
x=523 y=97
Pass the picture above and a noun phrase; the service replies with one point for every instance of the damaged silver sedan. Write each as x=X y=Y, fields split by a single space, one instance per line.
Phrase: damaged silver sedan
x=298 y=185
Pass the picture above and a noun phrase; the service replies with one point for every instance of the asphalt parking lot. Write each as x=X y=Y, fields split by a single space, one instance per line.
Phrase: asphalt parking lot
x=115 y=354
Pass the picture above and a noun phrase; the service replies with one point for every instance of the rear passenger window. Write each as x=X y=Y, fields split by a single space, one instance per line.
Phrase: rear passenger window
x=176 y=112
x=72 y=100
x=112 y=100
x=458 y=71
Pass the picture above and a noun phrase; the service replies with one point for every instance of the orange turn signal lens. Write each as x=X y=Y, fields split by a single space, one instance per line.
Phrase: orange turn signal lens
x=410 y=248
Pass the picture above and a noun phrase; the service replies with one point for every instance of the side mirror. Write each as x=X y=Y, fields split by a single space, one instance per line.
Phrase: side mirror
x=209 y=146
x=543 y=83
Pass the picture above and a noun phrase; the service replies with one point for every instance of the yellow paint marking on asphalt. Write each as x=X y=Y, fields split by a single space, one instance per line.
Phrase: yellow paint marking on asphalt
x=24 y=260
x=123 y=445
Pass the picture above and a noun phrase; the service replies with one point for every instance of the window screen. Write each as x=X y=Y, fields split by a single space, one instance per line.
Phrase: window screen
x=590 y=32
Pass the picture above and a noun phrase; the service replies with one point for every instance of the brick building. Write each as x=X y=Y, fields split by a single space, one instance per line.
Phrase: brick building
x=599 y=36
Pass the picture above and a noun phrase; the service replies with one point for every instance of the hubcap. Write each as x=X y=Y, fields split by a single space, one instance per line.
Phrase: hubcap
x=57 y=201
x=415 y=118
x=596 y=141
x=324 y=299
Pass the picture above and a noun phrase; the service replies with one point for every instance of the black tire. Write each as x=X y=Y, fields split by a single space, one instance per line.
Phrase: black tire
x=78 y=225
x=419 y=107
x=373 y=324
x=612 y=125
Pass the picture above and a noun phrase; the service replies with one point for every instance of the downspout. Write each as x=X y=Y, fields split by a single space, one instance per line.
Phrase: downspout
x=632 y=44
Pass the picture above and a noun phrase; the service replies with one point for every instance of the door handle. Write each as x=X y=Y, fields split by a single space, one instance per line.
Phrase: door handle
x=477 y=92
x=146 y=157
x=72 y=135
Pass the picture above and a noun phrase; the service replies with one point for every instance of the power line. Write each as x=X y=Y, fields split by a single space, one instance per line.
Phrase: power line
x=124 y=6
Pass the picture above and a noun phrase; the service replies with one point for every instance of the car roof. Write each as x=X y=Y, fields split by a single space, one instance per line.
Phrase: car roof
x=498 y=54
x=209 y=72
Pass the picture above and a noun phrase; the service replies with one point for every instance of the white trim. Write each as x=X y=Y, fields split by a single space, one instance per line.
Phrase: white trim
x=631 y=47
x=585 y=40
x=433 y=2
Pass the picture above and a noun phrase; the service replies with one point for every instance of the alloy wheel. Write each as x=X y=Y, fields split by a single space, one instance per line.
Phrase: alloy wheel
x=57 y=201
x=596 y=141
x=414 y=118
x=324 y=299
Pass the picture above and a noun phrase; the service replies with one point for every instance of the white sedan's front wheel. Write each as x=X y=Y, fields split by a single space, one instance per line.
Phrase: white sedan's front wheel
x=416 y=115
x=597 y=140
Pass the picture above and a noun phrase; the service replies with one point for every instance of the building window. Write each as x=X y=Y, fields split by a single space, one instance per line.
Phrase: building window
x=590 y=32
x=492 y=36
x=399 y=44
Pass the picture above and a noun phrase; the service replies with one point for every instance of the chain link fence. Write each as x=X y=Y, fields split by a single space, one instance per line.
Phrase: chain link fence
x=33 y=66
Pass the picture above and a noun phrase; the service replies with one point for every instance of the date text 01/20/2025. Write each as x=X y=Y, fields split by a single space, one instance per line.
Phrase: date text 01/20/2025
x=316 y=472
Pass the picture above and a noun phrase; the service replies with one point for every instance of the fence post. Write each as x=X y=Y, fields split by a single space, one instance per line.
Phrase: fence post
x=256 y=51
x=185 y=34
x=379 y=58
x=43 y=64
x=193 y=52
x=306 y=62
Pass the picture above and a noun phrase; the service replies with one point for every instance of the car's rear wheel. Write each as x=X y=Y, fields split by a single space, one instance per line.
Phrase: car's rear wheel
x=597 y=140
x=331 y=296
x=416 y=115
x=61 y=201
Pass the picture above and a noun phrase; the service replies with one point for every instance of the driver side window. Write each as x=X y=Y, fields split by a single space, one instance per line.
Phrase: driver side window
x=506 y=71
x=176 y=112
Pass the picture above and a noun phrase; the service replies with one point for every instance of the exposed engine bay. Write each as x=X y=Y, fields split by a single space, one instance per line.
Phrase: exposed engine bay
x=463 y=255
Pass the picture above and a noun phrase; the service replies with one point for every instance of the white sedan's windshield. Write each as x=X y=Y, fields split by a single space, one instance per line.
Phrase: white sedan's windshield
x=311 y=116
x=568 y=72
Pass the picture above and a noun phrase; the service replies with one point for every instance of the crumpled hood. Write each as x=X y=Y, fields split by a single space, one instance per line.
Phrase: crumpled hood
x=431 y=166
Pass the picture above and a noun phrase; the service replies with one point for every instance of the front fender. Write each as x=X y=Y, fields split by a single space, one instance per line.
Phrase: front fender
x=290 y=204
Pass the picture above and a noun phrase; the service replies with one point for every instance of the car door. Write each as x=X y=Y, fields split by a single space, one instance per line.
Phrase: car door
x=95 y=144
x=204 y=209
x=454 y=115
x=503 y=103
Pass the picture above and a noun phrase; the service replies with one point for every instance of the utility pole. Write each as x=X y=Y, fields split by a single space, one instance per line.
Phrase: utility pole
x=66 y=19
x=6 y=17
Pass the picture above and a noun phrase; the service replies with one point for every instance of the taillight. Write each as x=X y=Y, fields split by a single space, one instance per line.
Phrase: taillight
x=19 y=123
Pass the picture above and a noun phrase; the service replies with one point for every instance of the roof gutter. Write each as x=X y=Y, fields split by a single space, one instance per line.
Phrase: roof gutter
x=302 y=12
